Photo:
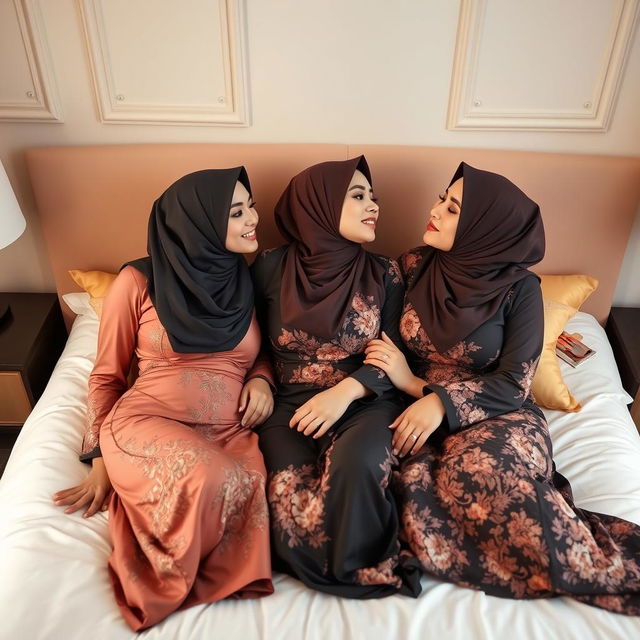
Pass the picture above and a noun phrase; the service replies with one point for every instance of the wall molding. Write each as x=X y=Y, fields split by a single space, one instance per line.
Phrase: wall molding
x=231 y=109
x=41 y=102
x=465 y=113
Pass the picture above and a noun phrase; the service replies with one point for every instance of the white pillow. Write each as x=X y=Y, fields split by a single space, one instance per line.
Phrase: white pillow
x=79 y=304
x=598 y=376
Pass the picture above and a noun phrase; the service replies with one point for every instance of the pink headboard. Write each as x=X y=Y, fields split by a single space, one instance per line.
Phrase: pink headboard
x=94 y=201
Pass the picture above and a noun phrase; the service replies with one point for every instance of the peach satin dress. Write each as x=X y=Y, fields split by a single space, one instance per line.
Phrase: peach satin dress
x=188 y=517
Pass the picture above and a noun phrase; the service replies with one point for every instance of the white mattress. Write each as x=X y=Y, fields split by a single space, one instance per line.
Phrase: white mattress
x=54 y=584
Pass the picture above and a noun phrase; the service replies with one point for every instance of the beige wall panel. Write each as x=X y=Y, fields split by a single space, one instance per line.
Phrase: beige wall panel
x=27 y=87
x=539 y=65
x=161 y=61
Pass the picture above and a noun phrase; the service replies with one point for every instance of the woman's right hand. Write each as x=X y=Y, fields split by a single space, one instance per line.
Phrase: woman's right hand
x=94 y=491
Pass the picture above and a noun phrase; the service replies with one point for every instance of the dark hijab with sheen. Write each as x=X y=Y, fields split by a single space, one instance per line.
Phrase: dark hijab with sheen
x=322 y=271
x=202 y=293
x=499 y=235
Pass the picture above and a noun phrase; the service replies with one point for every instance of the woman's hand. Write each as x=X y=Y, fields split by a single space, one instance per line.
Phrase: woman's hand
x=95 y=491
x=321 y=412
x=386 y=356
x=256 y=401
x=415 y=424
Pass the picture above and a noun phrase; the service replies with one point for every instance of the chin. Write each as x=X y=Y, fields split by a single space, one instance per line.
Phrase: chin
x=368 y=237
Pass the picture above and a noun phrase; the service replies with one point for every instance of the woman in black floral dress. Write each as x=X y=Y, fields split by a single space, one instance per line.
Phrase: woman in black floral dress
x=481 y=502
x=327 y=446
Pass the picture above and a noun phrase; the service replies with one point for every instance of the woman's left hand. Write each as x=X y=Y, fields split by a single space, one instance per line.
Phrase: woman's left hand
x=386 y=356
x=256 y=401
x=415 y=424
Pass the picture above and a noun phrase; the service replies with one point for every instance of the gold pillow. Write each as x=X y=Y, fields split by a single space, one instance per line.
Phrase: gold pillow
x=96 y=284
x=563 y=296
x=548 y=388
x=569 y=290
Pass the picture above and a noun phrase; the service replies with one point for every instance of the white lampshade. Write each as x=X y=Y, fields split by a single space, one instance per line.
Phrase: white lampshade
x=12 y=222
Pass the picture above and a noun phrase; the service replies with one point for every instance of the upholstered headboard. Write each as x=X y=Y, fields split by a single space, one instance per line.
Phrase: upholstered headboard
x=94 y=201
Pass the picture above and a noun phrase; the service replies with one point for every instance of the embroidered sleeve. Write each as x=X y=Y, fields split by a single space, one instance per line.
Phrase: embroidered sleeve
x=371 y=377
x=506 y=387
x=116 y=344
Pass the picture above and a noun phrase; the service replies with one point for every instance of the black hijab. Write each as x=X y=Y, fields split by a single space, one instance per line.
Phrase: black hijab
x=202 y=293
x=499 y=235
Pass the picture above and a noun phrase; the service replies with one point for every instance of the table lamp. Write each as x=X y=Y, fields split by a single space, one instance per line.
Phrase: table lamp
x=12 y=222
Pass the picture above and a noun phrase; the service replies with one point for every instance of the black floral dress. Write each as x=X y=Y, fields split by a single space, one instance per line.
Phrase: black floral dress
x=334 y=519
x=481 y=504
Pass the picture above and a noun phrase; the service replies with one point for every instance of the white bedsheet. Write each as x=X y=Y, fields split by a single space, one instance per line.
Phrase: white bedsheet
x=54 y=584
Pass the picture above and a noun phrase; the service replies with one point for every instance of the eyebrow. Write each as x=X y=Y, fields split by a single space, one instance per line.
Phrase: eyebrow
x=239 y=204
x=454 y=199
x=359 y=186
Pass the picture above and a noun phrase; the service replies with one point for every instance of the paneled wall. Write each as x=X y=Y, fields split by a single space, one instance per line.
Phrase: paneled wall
x=536 y=75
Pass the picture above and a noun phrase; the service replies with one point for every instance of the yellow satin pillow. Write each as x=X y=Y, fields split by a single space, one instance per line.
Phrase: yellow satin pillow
x=563 y=296
x=548 y=387
x=569 y=290
x=96 y=284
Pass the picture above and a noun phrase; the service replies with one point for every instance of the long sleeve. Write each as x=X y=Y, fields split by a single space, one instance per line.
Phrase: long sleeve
x=116 y=344
x=507 y=386
x=262 y=368
x=371 y=377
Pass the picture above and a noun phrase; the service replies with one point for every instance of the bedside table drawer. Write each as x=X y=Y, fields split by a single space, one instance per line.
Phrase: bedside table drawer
x=14 y=401
x=622 y=331
x=32 y=336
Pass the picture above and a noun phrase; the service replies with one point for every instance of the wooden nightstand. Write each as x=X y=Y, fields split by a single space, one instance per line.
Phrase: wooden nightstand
x=623 y=329
x=32 y=336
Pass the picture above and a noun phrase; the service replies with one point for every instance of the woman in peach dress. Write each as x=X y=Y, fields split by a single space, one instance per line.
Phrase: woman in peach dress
x=188 y=514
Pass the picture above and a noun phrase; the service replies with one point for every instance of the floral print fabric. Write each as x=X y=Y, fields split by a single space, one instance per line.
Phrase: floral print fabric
x=303 y=361
x=334 y=519
x=481 y=504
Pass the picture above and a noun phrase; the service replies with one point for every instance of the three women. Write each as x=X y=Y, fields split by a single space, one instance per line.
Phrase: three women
x=479 y=500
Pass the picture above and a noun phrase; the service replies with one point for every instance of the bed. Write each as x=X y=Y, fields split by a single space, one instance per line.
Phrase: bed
x=93 y=203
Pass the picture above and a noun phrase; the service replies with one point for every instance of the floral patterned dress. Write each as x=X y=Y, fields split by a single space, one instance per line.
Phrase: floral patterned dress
x=482 y=504
x=188 y=519
x=333 y=517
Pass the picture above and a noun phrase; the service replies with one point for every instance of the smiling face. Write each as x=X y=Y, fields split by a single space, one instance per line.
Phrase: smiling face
x=359 y=211
x=243 y=220
x=443 y=219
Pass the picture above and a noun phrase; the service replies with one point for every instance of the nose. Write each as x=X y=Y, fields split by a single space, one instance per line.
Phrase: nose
x=252 y=218
x=373 y=206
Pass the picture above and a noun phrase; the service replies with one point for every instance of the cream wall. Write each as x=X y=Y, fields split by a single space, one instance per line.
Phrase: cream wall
x=360 y=71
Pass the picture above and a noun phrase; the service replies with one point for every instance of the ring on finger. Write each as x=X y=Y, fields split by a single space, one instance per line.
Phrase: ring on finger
x=413 y=436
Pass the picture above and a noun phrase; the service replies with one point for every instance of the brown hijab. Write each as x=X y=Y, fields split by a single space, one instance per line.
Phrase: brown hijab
x=321 y=270
x=499 y=235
